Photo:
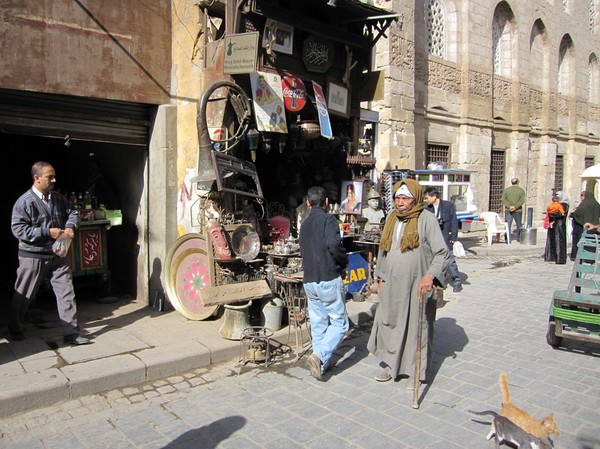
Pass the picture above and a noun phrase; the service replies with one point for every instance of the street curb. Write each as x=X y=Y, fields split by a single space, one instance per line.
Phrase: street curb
x=26 y=391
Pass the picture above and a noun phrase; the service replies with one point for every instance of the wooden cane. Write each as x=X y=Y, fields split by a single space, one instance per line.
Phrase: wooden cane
x=417 y=376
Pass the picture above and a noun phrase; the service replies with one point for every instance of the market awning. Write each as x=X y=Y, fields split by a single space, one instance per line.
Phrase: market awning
x=378 y=20
x=349 y=14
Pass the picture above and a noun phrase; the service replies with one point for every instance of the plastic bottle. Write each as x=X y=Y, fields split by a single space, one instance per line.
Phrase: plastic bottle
x=73 y=201
x=294 y=95
x=87 y=200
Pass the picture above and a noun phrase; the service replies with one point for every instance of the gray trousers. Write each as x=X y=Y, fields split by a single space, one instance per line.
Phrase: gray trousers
x=30 y=276
x=452 y=265
x=453 y=268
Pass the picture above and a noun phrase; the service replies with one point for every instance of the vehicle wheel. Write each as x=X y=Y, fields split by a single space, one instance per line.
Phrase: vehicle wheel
x=551 y=337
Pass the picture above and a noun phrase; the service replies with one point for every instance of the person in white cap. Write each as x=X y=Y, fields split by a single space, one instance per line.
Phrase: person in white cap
x=413 y=257
x=373 y=213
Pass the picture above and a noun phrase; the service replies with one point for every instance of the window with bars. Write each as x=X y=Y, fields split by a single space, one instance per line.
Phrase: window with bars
x=437 y=153
x=496 y=181
x=589 y=161
x=558 y=172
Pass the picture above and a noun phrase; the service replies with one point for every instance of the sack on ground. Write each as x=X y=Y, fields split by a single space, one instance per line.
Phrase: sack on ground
x=61 y=245
x=458 y=249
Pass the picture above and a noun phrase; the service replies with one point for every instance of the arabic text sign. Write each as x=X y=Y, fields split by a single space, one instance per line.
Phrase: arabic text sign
x=240 y=53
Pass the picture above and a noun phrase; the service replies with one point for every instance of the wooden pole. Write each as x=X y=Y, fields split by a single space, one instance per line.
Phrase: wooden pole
x=417 y=380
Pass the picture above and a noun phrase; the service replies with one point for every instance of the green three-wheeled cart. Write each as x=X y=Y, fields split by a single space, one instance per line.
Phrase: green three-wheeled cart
x=575 y=312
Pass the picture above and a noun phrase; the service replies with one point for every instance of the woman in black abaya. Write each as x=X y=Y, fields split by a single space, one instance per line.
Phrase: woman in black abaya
x=588 y=211
x=556 y=240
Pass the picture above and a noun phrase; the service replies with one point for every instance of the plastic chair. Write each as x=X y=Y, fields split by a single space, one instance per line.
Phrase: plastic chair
x=495 y=226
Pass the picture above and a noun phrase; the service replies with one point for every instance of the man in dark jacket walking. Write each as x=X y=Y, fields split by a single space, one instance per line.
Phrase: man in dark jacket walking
x=324 y=259
x=446 y=216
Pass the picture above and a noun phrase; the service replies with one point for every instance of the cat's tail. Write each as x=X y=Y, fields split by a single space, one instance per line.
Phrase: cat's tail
x=504 y=388
x=486 y=412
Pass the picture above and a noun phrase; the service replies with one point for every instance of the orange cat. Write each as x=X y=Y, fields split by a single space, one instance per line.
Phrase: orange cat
x=539 y=427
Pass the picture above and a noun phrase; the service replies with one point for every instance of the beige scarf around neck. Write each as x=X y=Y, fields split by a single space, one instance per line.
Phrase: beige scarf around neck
x=410 y=237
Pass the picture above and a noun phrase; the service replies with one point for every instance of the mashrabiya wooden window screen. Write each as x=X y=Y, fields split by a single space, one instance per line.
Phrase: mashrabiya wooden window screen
x=558 y=172
x=496 y=181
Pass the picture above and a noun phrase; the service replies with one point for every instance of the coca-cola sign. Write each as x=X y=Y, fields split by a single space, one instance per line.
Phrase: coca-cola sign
x=294 y=93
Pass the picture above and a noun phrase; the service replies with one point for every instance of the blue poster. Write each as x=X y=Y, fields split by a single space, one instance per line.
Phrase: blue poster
x=324 y=122
x=357 y=272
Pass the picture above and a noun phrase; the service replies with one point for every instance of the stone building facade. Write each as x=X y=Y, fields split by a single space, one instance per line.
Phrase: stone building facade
x=507 y=88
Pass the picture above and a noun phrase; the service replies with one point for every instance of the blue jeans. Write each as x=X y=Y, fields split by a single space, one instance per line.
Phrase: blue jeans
x=328 y=317
x=517 y=216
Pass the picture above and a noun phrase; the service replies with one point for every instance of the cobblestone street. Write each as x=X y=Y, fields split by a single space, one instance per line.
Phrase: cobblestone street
x=498 y=323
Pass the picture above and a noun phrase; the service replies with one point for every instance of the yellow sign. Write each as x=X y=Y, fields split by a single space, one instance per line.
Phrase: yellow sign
x=358 y=274
x=241 y=53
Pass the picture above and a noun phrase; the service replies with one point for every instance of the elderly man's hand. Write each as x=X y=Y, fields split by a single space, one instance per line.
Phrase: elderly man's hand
x=55 y=232
x=591 y=227
x=426 y=284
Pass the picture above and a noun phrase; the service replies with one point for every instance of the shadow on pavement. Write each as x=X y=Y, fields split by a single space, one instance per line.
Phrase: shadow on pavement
x=210 y=436
x=449 y=339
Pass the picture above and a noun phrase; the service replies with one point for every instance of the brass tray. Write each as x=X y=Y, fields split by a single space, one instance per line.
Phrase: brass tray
x=186 y=274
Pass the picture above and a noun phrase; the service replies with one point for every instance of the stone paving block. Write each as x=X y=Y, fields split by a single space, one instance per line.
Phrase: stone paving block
x=9 y=365
x=61 y=441
x=372 y=438
x=33 y=444
x=414 y=437
x=238 y=442
x=39 y=364
x=283 y=442
x=301 y=430
x=32 y=390
x=96 y=376
x=166 y=361
x=111 y=343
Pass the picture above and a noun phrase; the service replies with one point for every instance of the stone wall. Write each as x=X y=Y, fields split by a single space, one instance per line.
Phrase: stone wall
x=461 y=101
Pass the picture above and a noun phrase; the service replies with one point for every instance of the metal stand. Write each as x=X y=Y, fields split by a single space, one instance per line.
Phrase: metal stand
x=255 y=345
x=296 y=304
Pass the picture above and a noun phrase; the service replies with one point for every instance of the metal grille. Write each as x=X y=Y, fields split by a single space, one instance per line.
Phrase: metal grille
x=387 y=181
x=589 y=161
x=558 y=172
x=437 y=153
x=496 y=181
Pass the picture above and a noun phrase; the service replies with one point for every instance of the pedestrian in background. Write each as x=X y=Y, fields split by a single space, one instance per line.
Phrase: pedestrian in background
x=39 y=217
x=324 y=259
x=588 y=211
x=556 y=238
x=446 y=216
x=513 y=198
x=413 y=257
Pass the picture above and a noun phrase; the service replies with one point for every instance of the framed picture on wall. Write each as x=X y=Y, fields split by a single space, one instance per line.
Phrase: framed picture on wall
x=338 y=99
x=352 y=192
x=279 y=36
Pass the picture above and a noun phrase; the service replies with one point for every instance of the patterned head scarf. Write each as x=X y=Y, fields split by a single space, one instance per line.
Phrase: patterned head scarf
x=410 y=237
